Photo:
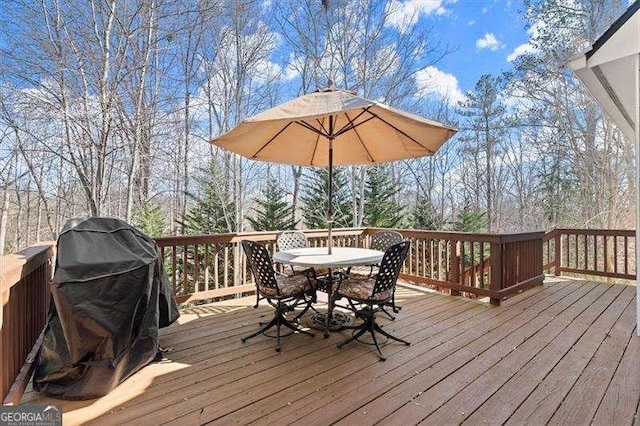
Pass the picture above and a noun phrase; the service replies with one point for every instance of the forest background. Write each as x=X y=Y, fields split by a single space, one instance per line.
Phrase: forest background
x=107 y=107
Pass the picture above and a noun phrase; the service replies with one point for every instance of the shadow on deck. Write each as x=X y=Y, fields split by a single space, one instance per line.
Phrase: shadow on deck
x=563 y=353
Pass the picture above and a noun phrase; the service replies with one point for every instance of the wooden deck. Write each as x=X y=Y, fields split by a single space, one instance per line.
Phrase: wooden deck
x=565 y=353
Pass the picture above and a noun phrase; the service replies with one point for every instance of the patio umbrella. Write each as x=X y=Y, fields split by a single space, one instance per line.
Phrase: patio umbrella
x=611 y=72
x=334 y=127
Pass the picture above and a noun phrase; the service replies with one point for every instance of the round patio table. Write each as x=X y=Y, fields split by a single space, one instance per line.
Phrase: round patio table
x=318 y=257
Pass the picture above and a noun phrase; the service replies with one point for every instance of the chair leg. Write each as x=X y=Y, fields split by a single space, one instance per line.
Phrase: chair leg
x=395 y=308
x=304 y=311
x=384 y=333
x=264 y=328
x=277 y=321
x=375 y=340
x=370 y=325
x=387 y=313
x=353 y=337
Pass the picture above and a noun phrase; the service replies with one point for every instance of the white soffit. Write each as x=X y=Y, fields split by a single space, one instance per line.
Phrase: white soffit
x=623 y=43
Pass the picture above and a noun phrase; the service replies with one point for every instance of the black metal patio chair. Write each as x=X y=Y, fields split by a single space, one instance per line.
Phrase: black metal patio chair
x=282 y=292
x=382 y=240
x=372 y=294
x=289 y=240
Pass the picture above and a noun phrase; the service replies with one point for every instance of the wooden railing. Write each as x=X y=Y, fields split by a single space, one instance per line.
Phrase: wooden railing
x=208 y=266
x=24 y=286
x=485 y=265
x=599 y=252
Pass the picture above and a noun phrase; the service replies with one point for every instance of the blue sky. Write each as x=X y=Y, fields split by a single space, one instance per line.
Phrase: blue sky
x=485 y=33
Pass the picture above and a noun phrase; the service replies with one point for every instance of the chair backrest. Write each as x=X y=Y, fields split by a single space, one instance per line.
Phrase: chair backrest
x=389 y=270
x=260 y=264
x=288 y=240
x=382 y=240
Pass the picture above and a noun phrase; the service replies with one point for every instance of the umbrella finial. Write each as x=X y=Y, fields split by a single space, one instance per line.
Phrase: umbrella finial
x=330 y=87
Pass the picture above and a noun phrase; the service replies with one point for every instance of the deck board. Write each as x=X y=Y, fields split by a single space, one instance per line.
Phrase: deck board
x=620 y=402
x=565 y=353
x=420 y=395
x=590 y=328
x=529 y=341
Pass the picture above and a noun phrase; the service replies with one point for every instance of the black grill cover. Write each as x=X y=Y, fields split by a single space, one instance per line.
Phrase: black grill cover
x=110 y=296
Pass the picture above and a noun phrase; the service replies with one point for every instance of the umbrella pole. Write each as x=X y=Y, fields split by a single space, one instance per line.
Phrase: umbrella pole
x=330 y=207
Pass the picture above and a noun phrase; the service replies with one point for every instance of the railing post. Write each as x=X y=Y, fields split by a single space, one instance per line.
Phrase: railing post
x=557 y=261
x=454 y=261
x=497 y=273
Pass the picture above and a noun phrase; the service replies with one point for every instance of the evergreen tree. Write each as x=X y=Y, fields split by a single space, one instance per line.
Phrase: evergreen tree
x=381 y=209
x=470 y=220
x=424 y=215
x=213 y=211
x=315 y=199
x=272 y=212
x=149 y=219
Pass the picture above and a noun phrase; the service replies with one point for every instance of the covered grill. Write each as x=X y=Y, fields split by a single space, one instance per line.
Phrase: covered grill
x=110 y=296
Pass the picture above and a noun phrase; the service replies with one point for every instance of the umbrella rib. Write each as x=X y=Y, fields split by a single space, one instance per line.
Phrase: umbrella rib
x=270 y=140
x=321 y=123
x=351 y=124
x=402 y=132
x=310 y=127
x=345 y=129
x=358 y=134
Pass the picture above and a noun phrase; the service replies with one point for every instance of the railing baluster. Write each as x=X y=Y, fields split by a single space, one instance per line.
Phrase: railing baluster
x=587 y=252
x=615 y=254
x=225 y=271
x=206 y=267
x=174 y=269
x=216 y=267
x=196 y=268
x=481 y=264
x=606 y=254
x=576 y=263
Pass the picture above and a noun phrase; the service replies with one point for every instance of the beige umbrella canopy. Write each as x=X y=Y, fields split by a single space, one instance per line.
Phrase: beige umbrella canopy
x=330 y=127
x=363 y=132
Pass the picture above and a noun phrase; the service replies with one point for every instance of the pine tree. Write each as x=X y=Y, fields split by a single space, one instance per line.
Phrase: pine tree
x=470 y=220
x=315 y=196
x=213 y=211
x=272 y=212
x=381 y=209
x=149 y=219
x=424 y=215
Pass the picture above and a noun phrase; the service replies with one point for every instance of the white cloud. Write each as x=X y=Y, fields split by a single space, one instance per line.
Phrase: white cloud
x=432 y=81
x=485 y=9
x=489 y=41
x=403 y=15
x=471 y=22
x=523 y=49
x=534 y=32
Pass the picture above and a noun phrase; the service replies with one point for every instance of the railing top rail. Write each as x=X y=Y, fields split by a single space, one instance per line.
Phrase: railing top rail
x=605 y=232
x=318 y=233
x=17 y=265
x=472 y=237
x=254 y=236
